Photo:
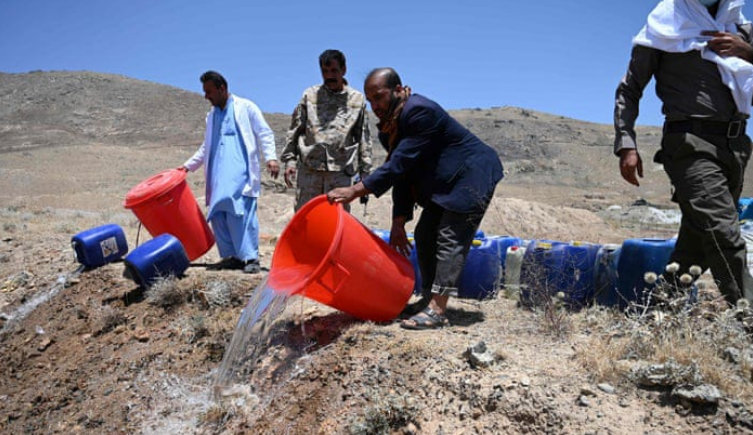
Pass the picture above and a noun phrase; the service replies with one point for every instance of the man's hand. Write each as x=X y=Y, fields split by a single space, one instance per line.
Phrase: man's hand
x=289 y=176
x=630 y=164
x=347 y=194
x=183 y=168
x=727 y=44
x=398 y=237
x=342 y=194
x=274 y=168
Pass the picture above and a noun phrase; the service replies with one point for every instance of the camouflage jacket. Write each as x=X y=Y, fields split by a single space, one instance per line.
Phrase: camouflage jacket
x=329 y=132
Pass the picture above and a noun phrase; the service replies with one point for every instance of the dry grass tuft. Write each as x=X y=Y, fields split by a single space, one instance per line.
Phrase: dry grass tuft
x=671 y=331
x=555 y=315
x=217 y=416
x=413 y=349
x=166 y=293
x=193 y=328
x=107 y=319
x=384 y=415
x=216 y=293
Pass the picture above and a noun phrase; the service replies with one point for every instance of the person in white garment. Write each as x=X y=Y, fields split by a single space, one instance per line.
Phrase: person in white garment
x=236 y=139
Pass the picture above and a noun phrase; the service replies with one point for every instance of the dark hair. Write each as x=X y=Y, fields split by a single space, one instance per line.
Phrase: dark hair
x=391 y=77
x=328 y=56
x=214 y=77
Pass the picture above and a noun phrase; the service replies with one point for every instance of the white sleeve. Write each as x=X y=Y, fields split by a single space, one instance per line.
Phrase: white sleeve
x=197 y=159
x=265 y=137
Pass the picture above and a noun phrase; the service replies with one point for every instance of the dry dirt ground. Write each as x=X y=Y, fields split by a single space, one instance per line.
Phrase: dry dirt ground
x=92 y=353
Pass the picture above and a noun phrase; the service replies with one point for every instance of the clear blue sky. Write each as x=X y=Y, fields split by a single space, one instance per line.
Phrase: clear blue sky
x=559 y=57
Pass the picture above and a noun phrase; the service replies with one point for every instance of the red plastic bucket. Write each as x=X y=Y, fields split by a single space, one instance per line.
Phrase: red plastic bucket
x=327 y=255
x=165 y=204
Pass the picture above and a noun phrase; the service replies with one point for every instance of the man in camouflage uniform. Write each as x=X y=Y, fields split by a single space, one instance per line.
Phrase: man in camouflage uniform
x=328 y=142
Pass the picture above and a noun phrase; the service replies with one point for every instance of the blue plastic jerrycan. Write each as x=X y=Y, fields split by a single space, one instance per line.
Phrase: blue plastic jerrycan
x=100 y=245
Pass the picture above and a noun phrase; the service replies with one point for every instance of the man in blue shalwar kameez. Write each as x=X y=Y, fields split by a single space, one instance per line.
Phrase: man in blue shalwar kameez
x=236 y=138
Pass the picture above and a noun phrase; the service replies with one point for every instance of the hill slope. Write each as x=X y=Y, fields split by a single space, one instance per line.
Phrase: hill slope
x=68 y=109
x=98 y=355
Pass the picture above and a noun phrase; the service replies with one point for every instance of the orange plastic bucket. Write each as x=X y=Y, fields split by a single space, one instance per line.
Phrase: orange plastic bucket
x=327 y=255
x=165 y=204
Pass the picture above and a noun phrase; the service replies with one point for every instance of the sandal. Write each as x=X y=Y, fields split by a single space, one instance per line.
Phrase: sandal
x=426 y=319
x=411 y=310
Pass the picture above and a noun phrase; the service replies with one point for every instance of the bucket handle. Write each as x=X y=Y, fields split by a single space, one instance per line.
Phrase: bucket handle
x=342 y=272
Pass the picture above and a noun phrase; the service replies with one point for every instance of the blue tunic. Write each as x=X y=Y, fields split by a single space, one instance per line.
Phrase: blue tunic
x=227 y=167
x=233 y=216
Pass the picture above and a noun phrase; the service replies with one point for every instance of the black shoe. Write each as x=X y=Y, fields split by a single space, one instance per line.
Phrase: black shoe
x=229 y=263
x=251 y=266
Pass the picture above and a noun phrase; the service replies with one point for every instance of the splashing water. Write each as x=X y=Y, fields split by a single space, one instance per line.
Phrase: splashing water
x=253 y=332
x=27 y=308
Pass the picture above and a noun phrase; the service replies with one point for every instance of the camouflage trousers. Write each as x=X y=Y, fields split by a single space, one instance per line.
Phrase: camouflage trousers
x=314 y=183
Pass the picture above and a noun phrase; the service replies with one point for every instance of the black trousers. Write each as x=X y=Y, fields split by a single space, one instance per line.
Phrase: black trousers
x=707 y=178
x=443 y=239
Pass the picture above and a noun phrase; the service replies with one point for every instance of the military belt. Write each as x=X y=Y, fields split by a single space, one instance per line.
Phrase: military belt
x=731 y=130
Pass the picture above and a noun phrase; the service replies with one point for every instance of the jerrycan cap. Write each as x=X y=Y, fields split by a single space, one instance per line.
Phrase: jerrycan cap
x=154 y=187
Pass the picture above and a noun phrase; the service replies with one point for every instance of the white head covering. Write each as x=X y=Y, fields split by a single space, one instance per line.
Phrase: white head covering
x=675 y=26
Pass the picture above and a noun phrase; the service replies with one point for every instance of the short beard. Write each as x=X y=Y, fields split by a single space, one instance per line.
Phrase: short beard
x=394 y=101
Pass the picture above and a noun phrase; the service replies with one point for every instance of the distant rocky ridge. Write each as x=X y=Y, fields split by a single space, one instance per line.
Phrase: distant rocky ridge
x=61 y=108
x=43 y=109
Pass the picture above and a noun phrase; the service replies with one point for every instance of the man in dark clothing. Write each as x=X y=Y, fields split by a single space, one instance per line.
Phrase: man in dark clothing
x=699 y=52
x=434 y=162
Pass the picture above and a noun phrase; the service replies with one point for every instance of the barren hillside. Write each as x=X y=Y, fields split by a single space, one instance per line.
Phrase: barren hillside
x=93 y=353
